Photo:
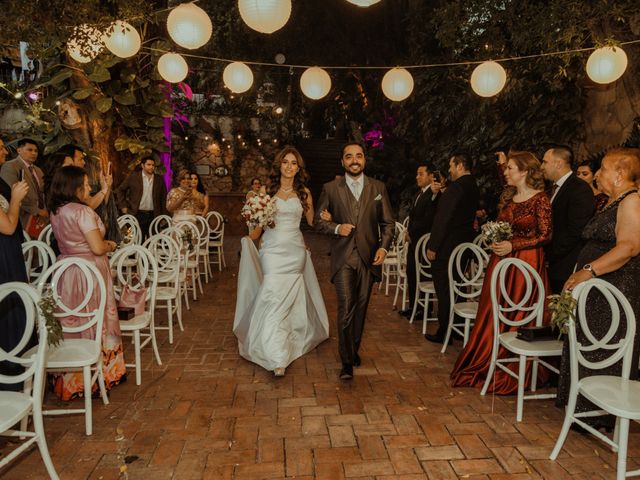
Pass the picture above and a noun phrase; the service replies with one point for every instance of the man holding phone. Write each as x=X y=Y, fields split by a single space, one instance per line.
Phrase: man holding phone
x=33 y=213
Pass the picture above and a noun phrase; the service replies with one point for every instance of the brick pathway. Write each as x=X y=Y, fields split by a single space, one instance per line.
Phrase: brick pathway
x=208 y=414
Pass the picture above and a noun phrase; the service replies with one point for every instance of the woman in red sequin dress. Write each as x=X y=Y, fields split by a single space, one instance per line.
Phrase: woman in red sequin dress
x=526 y=207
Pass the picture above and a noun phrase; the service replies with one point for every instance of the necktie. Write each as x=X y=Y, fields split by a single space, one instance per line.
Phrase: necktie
x=553 y=190
x=418 y=198
x=356 y=190
x=36 y=182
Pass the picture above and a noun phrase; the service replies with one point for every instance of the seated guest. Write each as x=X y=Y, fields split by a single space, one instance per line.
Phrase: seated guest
x=610 y=253
x=525 y=206
x=200 y=197
x=586 y=172
x=80 y=234
x=180 y=200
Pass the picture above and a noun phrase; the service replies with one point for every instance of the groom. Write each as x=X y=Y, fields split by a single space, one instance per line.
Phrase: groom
x=361 y=214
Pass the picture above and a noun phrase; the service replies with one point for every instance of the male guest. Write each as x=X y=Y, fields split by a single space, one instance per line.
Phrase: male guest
x=33 y=213
x=572 y=207
x=421 y=217
x=362 y=227
x=3 y=153
x=143 y=194
x=452 y=225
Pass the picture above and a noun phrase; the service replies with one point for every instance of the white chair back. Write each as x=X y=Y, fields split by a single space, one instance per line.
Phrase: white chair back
x=38 y=256
x=216 y=224
x=130 y=229
x=621 y=349
x=159 y=223
x=466 y=271
x=26 y=236
x=405 y=222
x=423 y=265
x=136 y=267
x=166 y=252
x=46 y=235
x=204 y=230
x=481 y=241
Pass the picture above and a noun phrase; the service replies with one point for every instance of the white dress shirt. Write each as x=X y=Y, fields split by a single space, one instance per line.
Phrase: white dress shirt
x=146 y=201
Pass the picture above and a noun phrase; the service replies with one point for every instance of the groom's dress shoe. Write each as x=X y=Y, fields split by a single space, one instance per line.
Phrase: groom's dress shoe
x=347 y=372
x=356 y=360
x=405 y=313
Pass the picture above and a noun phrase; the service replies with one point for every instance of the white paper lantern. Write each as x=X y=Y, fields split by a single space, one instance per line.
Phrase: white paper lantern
x=363 y=3
x=173 y=67
x=123 y=41
x=189 y=26
x=265 y=16
x=315 y=83
x=238 y=77
x=397 y=84
x=606 y=64
x=488 y=79
x=91 y=46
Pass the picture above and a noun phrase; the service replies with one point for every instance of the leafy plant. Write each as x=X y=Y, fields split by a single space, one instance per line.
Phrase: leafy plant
x=563 y=310
x=47 y=306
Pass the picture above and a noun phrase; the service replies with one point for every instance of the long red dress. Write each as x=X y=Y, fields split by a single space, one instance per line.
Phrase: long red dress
x=531 y=226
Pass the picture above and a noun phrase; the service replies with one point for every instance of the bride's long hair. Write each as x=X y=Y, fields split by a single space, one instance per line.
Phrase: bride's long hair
x=526 y=162
x=299 y=181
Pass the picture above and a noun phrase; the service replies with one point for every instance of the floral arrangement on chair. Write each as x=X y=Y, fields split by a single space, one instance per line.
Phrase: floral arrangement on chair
x=47 y=306
x=494 y=232
x=563 y=310
x=260 y=211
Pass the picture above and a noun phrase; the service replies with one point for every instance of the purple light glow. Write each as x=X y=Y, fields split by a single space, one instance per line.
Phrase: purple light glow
x=33 y=96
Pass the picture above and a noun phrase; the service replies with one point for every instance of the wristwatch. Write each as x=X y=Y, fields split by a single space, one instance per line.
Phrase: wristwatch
x=589 y=268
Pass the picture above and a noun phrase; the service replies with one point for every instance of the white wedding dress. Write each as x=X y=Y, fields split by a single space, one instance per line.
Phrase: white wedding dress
x=280 y=313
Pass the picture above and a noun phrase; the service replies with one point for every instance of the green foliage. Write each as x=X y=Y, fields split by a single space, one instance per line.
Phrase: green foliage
x=563 y=310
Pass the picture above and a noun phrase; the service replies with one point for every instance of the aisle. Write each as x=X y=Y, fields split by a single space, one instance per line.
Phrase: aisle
x=208 y=414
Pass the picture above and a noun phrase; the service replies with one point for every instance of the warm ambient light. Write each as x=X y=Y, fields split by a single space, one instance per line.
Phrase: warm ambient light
x=189 y=26
x=397 y=84
x=85 y=50
x=265 y=16
x=606 y=64
x=315 y=83
x=237 y=77
x=488 y=79
x=123 y=41
x=173 y=67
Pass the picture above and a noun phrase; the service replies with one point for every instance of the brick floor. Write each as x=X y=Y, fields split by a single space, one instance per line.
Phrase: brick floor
x=208 y=414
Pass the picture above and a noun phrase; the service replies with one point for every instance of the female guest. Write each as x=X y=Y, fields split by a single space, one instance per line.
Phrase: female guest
x=180 y=200
x=199 y=194
x=256 y=187
x=586 y=172
x=12 y=269
x=80 y=234
x=526 y=207
x=611 y=253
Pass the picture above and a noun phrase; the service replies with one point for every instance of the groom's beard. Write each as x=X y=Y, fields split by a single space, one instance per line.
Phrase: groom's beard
x=351 y=173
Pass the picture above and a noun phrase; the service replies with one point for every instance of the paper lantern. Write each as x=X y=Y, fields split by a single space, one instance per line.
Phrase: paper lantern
x=265 y=16
x=173 y=67
x=123 y=41
x=89 y=47
x=363 y=3
x=488 y=79
x=397 y=84
x=315 y=83
x=189 y=26
x=237 y=77
x=606 y=64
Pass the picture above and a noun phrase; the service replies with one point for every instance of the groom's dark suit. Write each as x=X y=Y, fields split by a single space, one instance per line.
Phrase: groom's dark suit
x=352 y=270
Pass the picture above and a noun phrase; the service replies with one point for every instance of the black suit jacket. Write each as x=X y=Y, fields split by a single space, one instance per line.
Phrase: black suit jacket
x=129 y=194
x=572 y=208
x=422 y=214
x=453 y=223
x=374 y=222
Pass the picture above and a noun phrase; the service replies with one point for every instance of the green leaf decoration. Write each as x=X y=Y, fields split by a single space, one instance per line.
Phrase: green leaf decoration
x=104 y=104
x=154 y=122
x=121 y=143
x=60 y=77
x=128 y=75
x=563 y=310
x=100 y=74
x=127 y=98
x=83 y=93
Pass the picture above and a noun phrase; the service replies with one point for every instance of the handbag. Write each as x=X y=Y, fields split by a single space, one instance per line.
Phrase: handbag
x=132 y=298
x=35 y=225
x=535 y=334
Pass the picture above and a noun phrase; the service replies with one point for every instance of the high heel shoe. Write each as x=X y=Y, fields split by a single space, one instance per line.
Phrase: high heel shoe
x=278 y=372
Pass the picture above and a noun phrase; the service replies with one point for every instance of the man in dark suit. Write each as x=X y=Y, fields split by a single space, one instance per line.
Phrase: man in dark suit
x=359 y=206
x=452 y=225
x=572 y=206
x=143 y=194
x=421 y=217
x=33 y=213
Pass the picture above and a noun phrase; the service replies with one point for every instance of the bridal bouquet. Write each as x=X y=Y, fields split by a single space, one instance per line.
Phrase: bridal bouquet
x=494 y=232
x=260 y=211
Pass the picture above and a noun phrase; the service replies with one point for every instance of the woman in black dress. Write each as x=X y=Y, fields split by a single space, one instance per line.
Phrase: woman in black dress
x=610 y=253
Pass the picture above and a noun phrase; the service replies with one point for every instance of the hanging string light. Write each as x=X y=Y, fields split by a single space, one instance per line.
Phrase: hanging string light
x=363 y=3
x=123 y=41
x=265 y=16
x=488 y=79
x=315 y=83
x=606 y=64
x=397 y=84
x=173 y=67
x=237 y=77
x=189 y=26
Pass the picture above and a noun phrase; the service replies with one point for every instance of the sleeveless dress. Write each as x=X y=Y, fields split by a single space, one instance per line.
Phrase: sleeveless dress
x=531 y=227
x=280 y=312
x=600 y=236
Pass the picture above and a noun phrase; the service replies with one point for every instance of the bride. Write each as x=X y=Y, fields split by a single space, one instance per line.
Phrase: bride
x=280 y=313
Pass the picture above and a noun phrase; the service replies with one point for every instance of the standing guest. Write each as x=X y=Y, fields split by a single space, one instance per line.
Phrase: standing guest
x=423 y=210
x=143 y=195
x=3 y=153
x=452 y=225
x=362 y=228
x=586 y=172
x=525 y=206
x=200 y=197
x=80 y=234
x=572 y=205
x=256 y=187
x=12 y=269
x=180 y=200
x=611 y=253
x=33 y=213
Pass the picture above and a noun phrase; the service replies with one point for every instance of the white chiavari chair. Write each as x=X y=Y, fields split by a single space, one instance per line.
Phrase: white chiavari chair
x=130 y=227
x=46 y=235
x=158 y=224
x=425 y=290
x=38 y=257
x=216 y=238
x=203 y=254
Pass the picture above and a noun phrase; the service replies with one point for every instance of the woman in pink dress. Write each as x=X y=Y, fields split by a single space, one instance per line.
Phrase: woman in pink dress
x=80 y=234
